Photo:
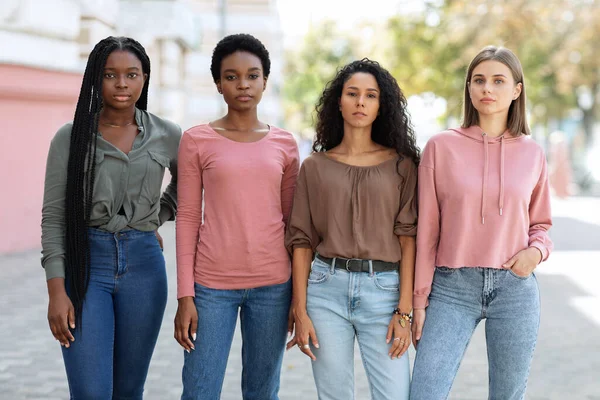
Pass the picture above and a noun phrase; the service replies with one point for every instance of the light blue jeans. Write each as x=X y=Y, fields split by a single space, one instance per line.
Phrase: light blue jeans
x=263 y=317
x=347 y=305
x=459 y=299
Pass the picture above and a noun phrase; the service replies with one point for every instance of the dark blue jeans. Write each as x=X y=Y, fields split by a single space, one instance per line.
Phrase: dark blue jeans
x=122 y=314
x=263 y=317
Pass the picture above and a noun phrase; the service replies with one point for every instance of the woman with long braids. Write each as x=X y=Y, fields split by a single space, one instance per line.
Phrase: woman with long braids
x=355 y=207
x=102 y=207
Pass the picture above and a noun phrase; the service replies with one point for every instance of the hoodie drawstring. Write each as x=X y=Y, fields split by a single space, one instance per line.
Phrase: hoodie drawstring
x=485 y=175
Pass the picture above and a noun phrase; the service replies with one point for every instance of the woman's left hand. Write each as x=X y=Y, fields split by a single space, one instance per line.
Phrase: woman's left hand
x=524 y=262
x=159 y=238
x=399 y=336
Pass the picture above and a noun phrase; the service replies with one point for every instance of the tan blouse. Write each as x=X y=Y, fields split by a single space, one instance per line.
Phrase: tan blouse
x=347 y=211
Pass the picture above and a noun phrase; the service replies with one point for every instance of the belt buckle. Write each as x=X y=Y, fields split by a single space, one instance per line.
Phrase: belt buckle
x=348 y=260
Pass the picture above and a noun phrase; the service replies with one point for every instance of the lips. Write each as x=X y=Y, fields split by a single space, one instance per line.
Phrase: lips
x=244 y=97
x=359 y=114
x=487 y=100
x=122 y=96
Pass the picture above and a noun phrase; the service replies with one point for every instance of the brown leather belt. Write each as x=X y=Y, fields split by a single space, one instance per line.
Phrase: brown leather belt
x=358 y=265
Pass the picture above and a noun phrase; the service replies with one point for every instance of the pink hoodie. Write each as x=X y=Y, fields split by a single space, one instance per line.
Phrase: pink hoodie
x=481 y=201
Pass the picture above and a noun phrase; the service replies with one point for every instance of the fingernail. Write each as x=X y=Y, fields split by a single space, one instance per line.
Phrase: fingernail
x=193 y=347
x=72 y=326
x=317 y=345
x=194 y=336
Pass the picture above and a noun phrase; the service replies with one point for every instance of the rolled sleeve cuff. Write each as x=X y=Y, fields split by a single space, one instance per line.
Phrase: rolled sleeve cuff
x=165 y=214
x=405 y=230
x=55 y=269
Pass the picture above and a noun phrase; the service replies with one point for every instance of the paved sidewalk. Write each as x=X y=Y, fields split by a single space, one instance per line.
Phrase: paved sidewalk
x=566 y=364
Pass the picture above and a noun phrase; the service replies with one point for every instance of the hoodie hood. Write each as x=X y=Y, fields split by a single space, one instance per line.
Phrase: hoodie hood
x=475 y=133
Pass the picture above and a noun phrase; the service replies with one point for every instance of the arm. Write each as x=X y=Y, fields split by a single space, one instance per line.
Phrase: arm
x=301 y=240
x=406 y=229
x=288 y=182
x=168 y=201
x=61 y=315
x=540 y=218
x=188 y=223
x=428 y=234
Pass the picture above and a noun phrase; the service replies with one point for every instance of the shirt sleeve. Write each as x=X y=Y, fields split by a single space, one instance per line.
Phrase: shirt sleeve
x=288 y=182
x=168 y=200
x=428 y=231
x=301 y=232
x=406 y=221
x=189 y=215
x=540 y=219
x=53 y=208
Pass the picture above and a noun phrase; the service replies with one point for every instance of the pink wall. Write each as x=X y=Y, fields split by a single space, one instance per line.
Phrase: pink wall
x=34 y=103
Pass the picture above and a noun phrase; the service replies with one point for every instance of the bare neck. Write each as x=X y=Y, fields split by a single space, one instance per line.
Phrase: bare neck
x=493 y=125
x=242 y=120
x=117 y=117
x=356 y=141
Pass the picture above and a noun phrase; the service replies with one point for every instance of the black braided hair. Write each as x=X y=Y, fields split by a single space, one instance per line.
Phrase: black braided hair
x=392 y=127
x=82 y=162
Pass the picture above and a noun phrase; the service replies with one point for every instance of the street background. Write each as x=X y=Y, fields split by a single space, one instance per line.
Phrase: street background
x=426 y=45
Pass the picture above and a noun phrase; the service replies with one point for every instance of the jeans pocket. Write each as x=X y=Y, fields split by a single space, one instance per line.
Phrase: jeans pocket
x=523 y=278
x=388 y=281
x=318 y=274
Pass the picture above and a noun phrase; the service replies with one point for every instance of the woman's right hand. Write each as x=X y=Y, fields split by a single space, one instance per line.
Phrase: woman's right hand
x=304 y=330
x=417 y=325
x=61 y=314
x=186 y=323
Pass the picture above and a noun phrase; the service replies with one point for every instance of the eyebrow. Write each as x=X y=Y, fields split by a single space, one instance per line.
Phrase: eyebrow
x=369 y=89
x=502 y=75
x=235 y=71
x=127 y=68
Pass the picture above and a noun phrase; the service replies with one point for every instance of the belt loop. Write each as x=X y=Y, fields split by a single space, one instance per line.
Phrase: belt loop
x=371 y=268
x=332 y=266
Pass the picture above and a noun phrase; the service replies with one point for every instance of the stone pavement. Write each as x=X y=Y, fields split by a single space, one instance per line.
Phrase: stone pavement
x=566 y=365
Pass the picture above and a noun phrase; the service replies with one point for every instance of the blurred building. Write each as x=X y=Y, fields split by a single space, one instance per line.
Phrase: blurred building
x=43 y=50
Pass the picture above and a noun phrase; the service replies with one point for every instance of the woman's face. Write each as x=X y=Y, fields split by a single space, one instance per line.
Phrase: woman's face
x=123 y=80
x=492 y=88
x=359 y=102
x=242 y=81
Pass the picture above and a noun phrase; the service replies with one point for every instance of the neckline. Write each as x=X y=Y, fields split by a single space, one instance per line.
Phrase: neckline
x=235 y=141
x=395 y=158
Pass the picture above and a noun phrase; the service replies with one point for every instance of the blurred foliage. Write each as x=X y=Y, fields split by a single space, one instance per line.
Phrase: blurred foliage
x=556 y=41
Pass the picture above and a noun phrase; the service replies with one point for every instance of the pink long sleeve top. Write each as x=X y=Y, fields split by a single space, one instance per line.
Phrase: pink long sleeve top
x=481 y=201
x=236 y=240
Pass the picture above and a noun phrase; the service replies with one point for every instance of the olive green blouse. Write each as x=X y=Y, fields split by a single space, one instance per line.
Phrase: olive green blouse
x=127 y=187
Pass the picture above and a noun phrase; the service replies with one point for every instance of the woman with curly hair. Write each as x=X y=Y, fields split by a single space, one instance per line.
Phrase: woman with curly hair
x=355 y=209
x=237 y=177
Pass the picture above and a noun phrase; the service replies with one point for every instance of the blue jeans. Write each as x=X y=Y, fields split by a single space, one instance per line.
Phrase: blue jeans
x=347 y=305
x=263 y=316
x=459 y=299
x=121 y=317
